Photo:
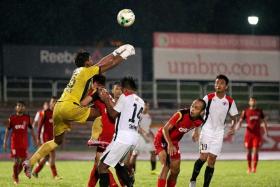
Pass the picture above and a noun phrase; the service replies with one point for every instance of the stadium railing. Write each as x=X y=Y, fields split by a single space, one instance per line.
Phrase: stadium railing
x=162 y=94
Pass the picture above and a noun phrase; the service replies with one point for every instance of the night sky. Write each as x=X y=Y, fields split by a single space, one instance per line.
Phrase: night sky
x=91 y=22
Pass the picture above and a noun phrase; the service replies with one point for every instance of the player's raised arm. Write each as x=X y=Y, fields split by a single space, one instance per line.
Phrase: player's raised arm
x=115 y=58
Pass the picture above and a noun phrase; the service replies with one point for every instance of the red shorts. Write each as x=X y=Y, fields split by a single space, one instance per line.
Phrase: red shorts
x=47 y=137
x=161 y=145
x=252 y=141
x=21 y=153
x=104 y=137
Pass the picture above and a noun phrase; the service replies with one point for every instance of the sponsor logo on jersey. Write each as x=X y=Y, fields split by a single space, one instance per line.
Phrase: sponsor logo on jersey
x=181 y=129
x=20 y=126
x=254 y=118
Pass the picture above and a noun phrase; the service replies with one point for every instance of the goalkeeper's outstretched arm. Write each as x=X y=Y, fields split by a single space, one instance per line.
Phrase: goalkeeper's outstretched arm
x=115 y=58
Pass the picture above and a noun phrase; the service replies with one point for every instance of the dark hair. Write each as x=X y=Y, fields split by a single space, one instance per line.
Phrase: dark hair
x=253 y=98
x=223 y=77
x=117 y=83
x=20 y=102
x=54 y=97
x=129 y=82
x=81 y=58
x=100 y=79
x=203 y=103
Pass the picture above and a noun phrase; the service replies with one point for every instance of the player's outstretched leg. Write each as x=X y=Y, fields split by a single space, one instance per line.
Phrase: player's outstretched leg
x=44 y=150
x=40 y=167
x=96 y=130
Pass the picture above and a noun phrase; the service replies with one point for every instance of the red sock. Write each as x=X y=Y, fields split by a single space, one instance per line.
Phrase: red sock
x=171 y=183
x=20 y=167
x=54 y=172
x=249 y=159
x=40 y=166
x=112 y=180
x=255 y=160
x=94 y=176
x=15 y=170
x=161 y=182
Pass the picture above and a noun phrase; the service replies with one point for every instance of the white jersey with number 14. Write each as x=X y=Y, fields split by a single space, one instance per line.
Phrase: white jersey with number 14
x=130 y=107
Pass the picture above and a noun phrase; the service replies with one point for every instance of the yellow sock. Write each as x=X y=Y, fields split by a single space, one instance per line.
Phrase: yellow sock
x=43 y=150
x=96 y=128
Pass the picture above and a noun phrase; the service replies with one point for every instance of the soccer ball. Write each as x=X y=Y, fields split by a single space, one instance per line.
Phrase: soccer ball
x=126 y=17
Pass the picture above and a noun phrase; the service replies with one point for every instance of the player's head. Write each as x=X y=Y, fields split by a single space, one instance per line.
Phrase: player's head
x=98 y=80
x=20 y=107
x=252 y=102
x=146 y=107
x=45 y=105
x=221 y=84
x=52 y=102
x=117 y=90
x=128 y=83
x=197 y=108
x=83 y=59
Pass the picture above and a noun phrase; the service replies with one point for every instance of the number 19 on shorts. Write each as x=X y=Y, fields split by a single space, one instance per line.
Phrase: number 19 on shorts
x=203 y=147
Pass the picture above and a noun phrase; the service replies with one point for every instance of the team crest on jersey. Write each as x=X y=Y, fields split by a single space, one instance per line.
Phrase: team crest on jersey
x=224 y=103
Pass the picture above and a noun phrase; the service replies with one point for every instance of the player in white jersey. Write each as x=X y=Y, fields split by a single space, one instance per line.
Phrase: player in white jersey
x=127 y=112
x=212 y=133
x=145 y=142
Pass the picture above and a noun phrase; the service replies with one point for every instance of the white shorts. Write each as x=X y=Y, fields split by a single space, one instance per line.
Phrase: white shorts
x=211 y=143
x=143 y=146
x=115 y=153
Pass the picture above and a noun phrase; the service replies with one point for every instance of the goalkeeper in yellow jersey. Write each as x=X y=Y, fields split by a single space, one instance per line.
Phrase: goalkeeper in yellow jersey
x=68 y=108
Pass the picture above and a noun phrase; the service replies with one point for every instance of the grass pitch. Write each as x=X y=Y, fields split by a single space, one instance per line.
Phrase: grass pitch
x=76 y=173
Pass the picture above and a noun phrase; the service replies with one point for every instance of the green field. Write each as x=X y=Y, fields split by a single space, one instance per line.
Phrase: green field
x=227 y=174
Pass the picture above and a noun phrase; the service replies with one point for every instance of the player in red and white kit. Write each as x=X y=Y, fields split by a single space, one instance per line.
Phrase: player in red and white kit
x=167 y=140
x=253 y=138
x=108 y=127
x=45 y=133
x=219 y=105
x=39 y=114
x=18 y=124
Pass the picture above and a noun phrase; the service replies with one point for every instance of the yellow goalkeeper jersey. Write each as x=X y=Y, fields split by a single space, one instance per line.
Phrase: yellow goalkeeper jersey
x=79 y=84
